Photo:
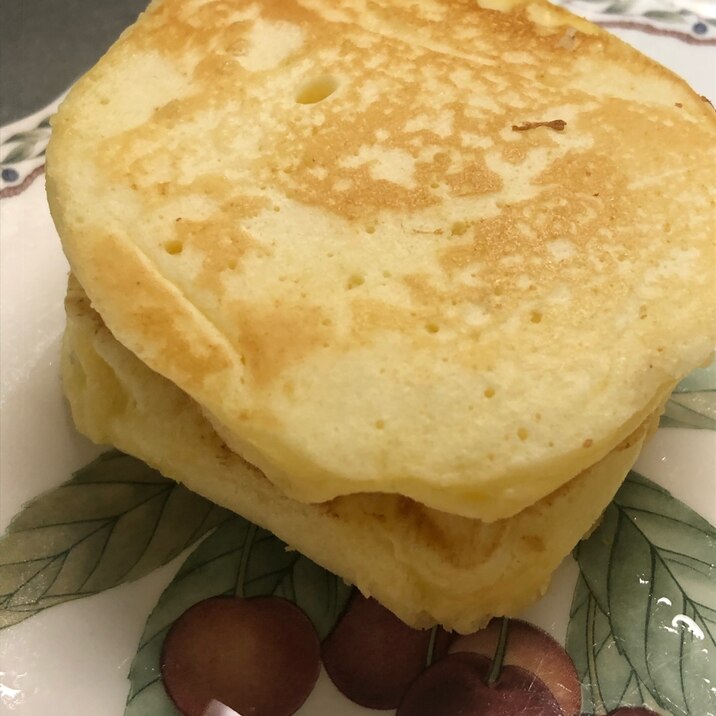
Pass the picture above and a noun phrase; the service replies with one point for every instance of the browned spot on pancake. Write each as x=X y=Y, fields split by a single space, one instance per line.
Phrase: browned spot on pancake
x=220 y=240
x=172 y=28
x=422 y=520
x=272 y=338
x=534 y=543
x=222 y=249
x=581 y=174
x=406 y=66
x=474 y=179
x=328 y=156
x=338 y=165
x=516 y=152
x=639 y=128
x=523 y=230
x=427 y=296
x=151 y=313
x=370 y=315
x=193 y=362
x=423 y=290
x=459 y=541
x=291 y=11
x=308 y=152
x=76 y=300
x=212 y=30
x=492 y=239
x=352 y=191
x=457 y=18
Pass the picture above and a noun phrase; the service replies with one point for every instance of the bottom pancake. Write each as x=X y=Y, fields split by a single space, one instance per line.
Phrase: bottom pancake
x=426 y=566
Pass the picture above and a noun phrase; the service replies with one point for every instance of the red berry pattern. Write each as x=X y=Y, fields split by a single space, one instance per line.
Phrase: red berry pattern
x=372 y=657
x=457 y=686
x=534 y=650
x=258 y=656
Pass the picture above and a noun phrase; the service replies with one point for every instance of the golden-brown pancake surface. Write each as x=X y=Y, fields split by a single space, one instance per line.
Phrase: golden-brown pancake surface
x=426 y=566
x=453 y=252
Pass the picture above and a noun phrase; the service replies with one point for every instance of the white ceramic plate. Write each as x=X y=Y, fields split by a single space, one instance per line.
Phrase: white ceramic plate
x=635 y=607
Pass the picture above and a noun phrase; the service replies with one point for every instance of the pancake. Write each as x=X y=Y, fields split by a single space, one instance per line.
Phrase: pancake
x=426 y=566
x=452 y=252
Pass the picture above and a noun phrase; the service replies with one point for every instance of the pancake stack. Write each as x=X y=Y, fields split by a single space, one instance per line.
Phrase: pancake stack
x=408 y=285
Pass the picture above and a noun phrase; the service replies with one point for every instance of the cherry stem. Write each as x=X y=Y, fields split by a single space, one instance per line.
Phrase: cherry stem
x=244 y=565
x=500 y=651
x=597 y=700
x=431 y=646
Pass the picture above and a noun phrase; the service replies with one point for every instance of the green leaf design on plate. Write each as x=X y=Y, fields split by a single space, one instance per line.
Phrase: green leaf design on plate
x=19 y=153
x=620 y=7
x=30 y=143
x=591 y=644
x=238 y=559
x=113 y=522
x=643 y=614
x=31 y=135
x=693 y=402
x=664 y=15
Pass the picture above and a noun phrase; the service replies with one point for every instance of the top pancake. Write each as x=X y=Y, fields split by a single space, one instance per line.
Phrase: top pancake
x=318 y=219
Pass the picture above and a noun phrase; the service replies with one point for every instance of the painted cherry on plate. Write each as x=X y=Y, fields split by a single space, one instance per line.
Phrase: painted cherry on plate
x=457 y=685
x=372 y=657
x=531 y=649
x=258 y=656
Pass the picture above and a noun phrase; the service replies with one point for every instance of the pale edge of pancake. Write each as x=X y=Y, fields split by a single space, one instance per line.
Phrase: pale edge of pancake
x=426 y=566
x=152 y=316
